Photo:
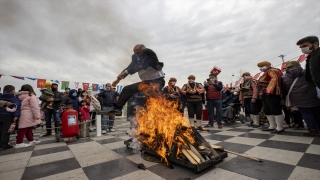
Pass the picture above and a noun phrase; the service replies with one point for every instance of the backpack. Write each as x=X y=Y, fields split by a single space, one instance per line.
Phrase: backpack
x=95 y=103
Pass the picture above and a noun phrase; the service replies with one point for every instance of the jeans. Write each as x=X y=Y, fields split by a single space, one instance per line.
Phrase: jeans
x=24 y=131
x=107 y=121
x=311 y=116
x=5 y=122
x=132 y=89
x=211 y=104
x=50 y=113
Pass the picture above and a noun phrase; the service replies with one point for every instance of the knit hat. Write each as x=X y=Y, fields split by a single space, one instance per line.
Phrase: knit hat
x=192 y=77
x=291 y=64
x=246 y=74
x=173 y=79
x=264 y=63
x=47 y=84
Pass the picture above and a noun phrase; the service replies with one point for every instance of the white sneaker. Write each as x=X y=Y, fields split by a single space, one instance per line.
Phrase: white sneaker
x=112 y=130
x=34 y=142
x=104 y=132
x=22 y=145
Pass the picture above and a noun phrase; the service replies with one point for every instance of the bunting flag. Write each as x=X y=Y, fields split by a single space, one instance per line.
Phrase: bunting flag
x=64 y=85
x=256 y=76
x=40 y=83
x=76 y=84
x=302 y=58
x=18 y=77
x=95 y=87
x=55 y=81
x=33 y=79
x=85 y=86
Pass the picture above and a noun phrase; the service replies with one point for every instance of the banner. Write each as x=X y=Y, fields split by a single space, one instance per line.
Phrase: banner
x=55 y=81
x=95 y=87
x=302 y=58
x=18 y=77
x=40 y=83
x=256 y=76
x=64 y=85
x=33 y=79
x=76 y=84
x=85 y=86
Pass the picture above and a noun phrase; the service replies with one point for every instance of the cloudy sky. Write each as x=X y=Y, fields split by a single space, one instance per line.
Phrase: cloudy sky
x=92 y=41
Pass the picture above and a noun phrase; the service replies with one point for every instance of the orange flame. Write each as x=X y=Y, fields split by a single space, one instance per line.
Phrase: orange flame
x=158 y=123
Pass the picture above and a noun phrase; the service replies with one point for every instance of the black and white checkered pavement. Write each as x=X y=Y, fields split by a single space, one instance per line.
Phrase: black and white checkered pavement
x=285 y=156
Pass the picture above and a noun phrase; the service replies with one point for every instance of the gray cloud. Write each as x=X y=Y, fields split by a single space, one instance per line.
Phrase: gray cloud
x=92 y=41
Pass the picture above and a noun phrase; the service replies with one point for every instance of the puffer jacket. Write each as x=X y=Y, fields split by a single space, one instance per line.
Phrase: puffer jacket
x=10 y=98
x=30 y=111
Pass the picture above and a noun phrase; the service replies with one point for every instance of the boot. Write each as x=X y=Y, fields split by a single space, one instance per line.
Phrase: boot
x=256 y=121
x=272 y=123
x=191 y=121
x=312 y=133
x=279 y=121
x=198 y=123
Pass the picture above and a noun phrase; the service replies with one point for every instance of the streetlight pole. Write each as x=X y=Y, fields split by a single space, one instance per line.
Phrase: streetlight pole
x=282 y=56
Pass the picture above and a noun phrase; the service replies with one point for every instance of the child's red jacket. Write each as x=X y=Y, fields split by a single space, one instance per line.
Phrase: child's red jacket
x=85 y=115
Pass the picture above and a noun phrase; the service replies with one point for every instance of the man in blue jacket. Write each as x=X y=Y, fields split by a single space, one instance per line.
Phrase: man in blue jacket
x=108 y=98
x=144 y=62
x=6 y=117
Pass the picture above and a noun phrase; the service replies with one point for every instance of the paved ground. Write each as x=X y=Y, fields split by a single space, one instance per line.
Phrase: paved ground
x=286 y=156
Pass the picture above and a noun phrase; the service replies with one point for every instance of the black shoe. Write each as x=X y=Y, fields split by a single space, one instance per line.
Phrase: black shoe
x=255 y=126
x=115 y=110
x=277 y=132
x=47 y=134
x=266 y=129
x=8 y=147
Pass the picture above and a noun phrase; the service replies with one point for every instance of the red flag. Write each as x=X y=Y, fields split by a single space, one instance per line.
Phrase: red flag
x=302 y=58
x=40 y=83
x=256 y=76
x=215 y=70
x=85 y=86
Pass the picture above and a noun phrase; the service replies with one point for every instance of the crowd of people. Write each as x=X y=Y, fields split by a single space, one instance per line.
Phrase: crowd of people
x=294 y=93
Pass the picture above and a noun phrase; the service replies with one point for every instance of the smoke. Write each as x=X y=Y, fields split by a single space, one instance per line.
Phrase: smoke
x=134 y=144
x=97 y=37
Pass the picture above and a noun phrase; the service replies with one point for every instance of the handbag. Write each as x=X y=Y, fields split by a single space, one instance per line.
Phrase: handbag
x=288 y=102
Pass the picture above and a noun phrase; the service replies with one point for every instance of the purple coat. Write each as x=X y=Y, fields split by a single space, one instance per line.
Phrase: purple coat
x=303 y=94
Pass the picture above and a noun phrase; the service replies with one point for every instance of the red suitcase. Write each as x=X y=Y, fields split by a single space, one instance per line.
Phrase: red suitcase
x=205 y=115
x=70 y=126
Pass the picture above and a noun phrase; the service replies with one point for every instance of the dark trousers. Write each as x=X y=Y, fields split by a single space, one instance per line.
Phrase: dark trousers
x=132 y=89
x=252 y=108
x=287 y=114
x=93 y=117
x=5 y=122
x=297 y=118
x=311 y=116
x=195 y=107
x=271 y=104
x=49 y=113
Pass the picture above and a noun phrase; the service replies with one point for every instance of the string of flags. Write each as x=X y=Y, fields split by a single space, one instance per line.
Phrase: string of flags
x=65 y=84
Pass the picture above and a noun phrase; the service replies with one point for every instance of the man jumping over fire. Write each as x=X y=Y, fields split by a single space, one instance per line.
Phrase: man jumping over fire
x=146 y=63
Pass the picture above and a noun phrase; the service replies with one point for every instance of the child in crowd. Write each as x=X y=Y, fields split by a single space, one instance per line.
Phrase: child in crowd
x=84 y=111
x=59 y=112
x=8 y=115
x=46 y=94
x=30 y=116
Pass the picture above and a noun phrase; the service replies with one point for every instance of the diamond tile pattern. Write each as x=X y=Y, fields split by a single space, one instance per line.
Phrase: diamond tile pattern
x=285 y=156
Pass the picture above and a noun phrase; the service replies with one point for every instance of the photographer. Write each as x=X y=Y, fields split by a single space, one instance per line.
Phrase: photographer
x=213 y=89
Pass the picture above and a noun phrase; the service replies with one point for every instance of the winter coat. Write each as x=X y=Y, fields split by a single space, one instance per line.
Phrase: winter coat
x=71 y=100
x=30 y=110
x=10 y=98
x=213 y=91
x=303 y=93
x=313 y=68
x=109 y=97
x=85 y=115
